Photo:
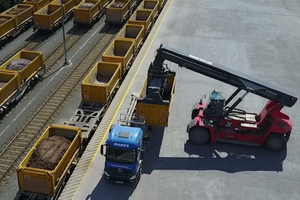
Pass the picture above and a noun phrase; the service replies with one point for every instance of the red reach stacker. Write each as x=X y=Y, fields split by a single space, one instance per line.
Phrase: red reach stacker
x=216 y=121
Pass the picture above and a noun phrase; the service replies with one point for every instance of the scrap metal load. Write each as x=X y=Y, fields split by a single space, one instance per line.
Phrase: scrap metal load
x=49 y=152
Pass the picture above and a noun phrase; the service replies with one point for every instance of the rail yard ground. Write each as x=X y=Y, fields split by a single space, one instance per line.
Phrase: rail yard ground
x=257 y=38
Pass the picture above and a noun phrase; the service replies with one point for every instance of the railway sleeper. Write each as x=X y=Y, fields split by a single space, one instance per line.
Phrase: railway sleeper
x=5 y=162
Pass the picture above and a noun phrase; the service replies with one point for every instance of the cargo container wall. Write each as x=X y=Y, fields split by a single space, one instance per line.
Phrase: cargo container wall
x=45 y=181
x=117 y=11
x=150 y=5
x=142 y=17
x=47 y=16
x=132 y=32
x=34 y=62
x=22 y=12
x=84 y=14
x=99 y=84
x=7 y=25
x=9 y=84
x=155 y=106
x=68 y=5
x=37 y=4
x=120 y=51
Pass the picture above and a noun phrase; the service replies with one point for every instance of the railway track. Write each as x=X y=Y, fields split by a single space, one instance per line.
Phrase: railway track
x=12 y=154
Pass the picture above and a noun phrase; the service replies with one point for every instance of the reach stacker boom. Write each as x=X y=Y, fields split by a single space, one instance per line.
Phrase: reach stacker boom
x=215 y=120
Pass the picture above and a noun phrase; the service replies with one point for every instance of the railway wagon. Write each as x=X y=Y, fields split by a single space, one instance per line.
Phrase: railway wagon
x=142 y=17
x=133 y=33
x=150 y=5
x=101 y=82
x=8 y=26
x=22 y=12
x=89 y=11
x=120 y=51
x=37 y=4
x=26 y=63
x=118 y=11
x=45 y=168
x=153 y=102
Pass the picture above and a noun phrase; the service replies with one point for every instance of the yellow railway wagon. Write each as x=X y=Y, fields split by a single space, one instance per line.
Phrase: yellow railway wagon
x=68 y=5
x=142 y=17
x=150 y=5
x=37 y=4
x=9 y=84
x=46 y=17
x=101 y=82
x=155 y=99
x=87 y=14
x=132 y=32
x=22 y=12
x=7 y=25
x=120 y=51
x=36 y=63
x=117 y=14
x=43 y=181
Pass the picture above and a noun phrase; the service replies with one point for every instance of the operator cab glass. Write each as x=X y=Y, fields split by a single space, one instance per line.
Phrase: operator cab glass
x=215 y=104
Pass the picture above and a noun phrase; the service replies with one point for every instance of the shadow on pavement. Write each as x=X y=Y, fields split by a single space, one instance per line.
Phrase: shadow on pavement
x=225 y=157
x=112 y=190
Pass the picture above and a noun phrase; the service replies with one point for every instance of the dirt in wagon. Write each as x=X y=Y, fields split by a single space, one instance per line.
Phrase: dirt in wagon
x=86 y=5
x=18 y=64
x=49 y=152
x=2 y=84
x=118 y=5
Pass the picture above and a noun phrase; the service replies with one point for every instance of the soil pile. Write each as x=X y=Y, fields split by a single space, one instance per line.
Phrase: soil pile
x=86 y=5
x=18 y=64
x=117 y=5
x=49 y=152
x=2 y=84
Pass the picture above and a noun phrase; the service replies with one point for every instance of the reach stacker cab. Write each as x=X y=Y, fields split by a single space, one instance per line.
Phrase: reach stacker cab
x=215 y=120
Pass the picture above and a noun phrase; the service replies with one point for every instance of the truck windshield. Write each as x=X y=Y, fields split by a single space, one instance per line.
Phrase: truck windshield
x=124 y=156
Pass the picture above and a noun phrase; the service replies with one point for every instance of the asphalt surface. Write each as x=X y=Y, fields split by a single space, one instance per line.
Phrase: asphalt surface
x=256 y=38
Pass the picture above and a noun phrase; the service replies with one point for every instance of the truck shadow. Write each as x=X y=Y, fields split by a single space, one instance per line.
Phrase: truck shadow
x=225 y=157
x=109 y=190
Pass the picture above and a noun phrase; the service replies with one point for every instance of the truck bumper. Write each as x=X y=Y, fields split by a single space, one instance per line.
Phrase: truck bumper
x=120 y=180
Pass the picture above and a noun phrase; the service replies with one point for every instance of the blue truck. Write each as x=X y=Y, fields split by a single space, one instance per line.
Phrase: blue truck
x=124 y=149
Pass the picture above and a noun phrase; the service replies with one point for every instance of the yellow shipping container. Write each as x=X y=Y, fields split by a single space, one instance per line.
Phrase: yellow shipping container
x=132 y=32
x=120 y=51
x=47 y=16
x=116 y=14
x=7 y=25
x=155 y=100
x=9 y=84
x=142 y=17
x=22 y=12
x=45 y=181
x=36 y=63
x=150 y=5
x=101 y=82
x=37 y=4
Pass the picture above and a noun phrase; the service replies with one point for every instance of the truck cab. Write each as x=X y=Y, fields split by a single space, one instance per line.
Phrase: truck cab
x=123 y=152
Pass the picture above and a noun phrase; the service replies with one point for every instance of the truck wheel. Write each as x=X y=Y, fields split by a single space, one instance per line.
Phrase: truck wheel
x=199 y=135
x=276 y=142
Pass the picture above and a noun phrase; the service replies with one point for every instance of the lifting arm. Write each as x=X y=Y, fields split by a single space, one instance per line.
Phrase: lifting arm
x=221 y=73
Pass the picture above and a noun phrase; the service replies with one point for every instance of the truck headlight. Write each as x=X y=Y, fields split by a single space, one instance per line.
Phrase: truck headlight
x=106 y=174
x=133 y=177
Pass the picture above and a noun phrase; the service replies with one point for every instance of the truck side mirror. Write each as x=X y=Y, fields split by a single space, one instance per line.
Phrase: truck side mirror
x=102 y=150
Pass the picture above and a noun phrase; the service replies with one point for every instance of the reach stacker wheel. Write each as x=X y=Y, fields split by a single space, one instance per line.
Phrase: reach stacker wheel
x=199 y=135
x=276 y=142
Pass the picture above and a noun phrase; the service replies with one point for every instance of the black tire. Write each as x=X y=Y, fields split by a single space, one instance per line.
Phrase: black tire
x=275 y=142
x=195 y=113
x=199 y=135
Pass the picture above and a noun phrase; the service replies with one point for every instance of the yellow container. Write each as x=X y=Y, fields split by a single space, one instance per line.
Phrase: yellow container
x=142 y=17
x=84 y=15
x=155 y=106
x=150 y=5
x=120 y=51
x=37 y=4
x=132 y=32
x=45 y=181
x=22 y=12
x=68 y=5
x=7 y=25
x=47 y=16
x=12 y=84
x=117 y=15
x=101 y=82
x=37 y=62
